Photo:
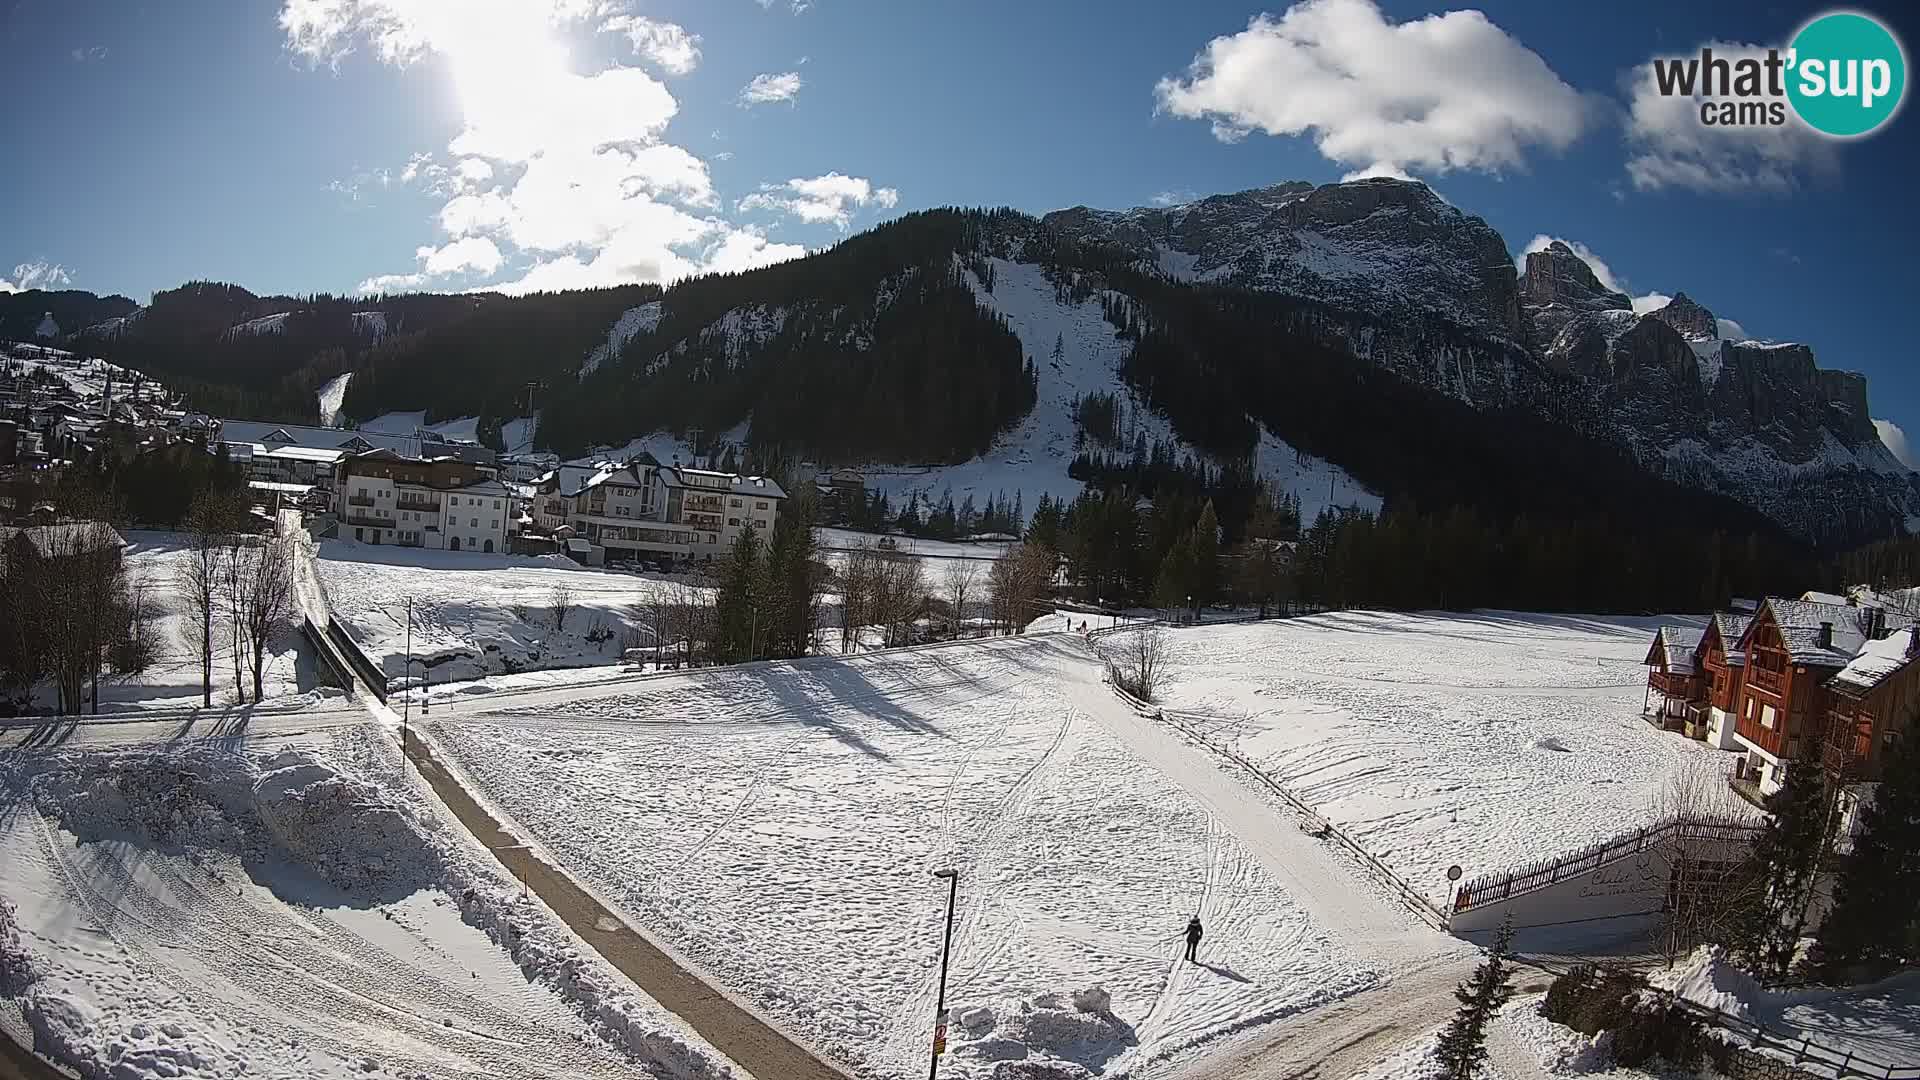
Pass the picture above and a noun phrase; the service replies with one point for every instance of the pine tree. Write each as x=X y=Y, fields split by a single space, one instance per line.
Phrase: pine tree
x=1206 y=558
x=1787 y=856
x=1875 y=921
x=1463 y=1045
x=737 y=604
x=1173 y=584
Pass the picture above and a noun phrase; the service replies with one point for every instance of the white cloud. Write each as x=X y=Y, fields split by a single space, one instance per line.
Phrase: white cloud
x=1652 y=301
x=1731 y=330
x=36 y=275
x=666 y=44
x=1671 y=148
x=798 y=7
x=97 y=52
x=770 y=88
x=568 y=176
x=1173 y=198
x=1450 y=91
x=471 y=255
x=1896 y=441
x=822 y=199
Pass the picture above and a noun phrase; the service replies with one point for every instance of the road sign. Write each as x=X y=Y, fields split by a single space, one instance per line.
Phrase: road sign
x=939 y=1039
x=1454 y=872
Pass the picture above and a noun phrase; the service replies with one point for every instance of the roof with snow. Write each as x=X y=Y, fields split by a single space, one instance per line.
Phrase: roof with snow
x=1814 y=597
x=1878 y=661
x=265 y=435
x=69 y=538
x=1673 y=648
x=1800 y=621
x=1731 y=627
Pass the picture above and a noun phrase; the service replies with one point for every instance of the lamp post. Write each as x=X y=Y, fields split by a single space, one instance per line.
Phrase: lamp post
x=940 y=1010
x=406 y=704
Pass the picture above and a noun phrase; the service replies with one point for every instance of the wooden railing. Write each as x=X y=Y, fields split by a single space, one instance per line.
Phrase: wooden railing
x=1492 y=888
x=1767 y=679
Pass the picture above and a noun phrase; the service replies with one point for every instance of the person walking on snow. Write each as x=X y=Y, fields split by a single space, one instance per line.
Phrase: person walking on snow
x=1193 y=938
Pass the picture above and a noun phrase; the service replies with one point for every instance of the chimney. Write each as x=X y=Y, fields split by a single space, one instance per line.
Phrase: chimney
x=1826 y=635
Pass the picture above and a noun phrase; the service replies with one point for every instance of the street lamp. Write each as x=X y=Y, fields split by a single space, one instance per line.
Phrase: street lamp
x=940 y=1010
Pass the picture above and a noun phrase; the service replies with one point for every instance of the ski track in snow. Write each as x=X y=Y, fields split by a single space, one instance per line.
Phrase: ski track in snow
x=174 y=933
x=779 y=823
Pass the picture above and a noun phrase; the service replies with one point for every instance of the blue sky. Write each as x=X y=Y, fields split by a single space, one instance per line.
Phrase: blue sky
x=268 y=142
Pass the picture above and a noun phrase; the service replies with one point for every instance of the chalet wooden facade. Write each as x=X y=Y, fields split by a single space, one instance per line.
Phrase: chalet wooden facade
x=1793 y=648
x=1676 y=693
x=1723 y=667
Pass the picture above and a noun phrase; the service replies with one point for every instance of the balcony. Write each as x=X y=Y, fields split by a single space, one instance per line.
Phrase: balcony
x=368 y=519
x=712 y=504
x=417 y=504
x=1773 y=682
x=360 y=500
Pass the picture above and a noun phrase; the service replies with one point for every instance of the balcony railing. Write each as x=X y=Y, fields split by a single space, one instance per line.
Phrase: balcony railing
x=369 y=519
x=709 y=503
x=360 y=500
x=1773 y=682
x=417 y=504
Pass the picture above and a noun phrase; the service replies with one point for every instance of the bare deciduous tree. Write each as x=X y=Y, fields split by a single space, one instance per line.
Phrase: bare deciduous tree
x=858 y=585
x=899 y=597
x=560 y=605
x=1016 y=582
x=198 y=581
x=962 y=576
x=78 y=584
x=1138 y=662
x=262 y=601
x=1712 y=881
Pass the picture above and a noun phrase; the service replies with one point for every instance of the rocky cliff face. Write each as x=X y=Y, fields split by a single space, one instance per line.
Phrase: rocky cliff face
x=1383 y=246
x=1420 y=287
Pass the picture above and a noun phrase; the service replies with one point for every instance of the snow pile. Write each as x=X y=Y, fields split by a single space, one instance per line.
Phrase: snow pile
x=72 y=1031
x=1048 y=1036
x=342 y=828
x=18 y=968
x=1709 y=978
x=352 y=819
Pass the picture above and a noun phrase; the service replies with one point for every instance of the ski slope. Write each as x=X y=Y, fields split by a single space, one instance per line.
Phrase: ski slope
x=779 y=823
x=1033 y=458
x=1488 y=739
x=206 y=907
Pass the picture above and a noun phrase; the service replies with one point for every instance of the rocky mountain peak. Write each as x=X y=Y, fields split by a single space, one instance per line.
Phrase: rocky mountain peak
x=1377 y=245
x=1684 y=314
x=1557 y=286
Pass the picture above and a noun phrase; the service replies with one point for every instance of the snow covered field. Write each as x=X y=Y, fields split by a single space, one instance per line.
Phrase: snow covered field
x=465 y=621
x=154 y=561
x=1488 y=740
x=202 y=908
x=779 y=823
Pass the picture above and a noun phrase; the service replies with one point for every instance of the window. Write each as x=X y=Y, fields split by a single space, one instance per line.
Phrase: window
x=496 y=504
x=1767 y=716
x=733 y=522
x=712 y=539
x=496 y=523
x=473 y=523
x=761 y=505
x=736 y=503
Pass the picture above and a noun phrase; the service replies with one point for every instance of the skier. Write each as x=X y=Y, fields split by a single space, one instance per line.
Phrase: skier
x=1193 y=938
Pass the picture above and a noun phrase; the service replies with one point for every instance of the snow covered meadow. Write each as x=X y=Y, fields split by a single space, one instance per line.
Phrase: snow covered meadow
x=468 y=608
x=779 y=823
x=208 y=908
x=1488 y=739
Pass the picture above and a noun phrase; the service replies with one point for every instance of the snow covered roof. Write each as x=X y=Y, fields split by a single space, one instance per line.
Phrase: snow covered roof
x=1731 y=627
x=48 y=540
x=1673 y=648
x=1800 y=620
x=1877 y=662
x=571 y=480
x=1813 y=597
x=760 y=487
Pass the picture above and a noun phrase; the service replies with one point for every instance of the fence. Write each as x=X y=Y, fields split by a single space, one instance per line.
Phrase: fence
x=1508 y=884
x=332 y=672
x=357 y=658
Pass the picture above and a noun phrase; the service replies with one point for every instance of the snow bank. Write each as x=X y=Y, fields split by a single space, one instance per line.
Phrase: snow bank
x=72 y=1031
x=1709 y=978
x=1045 y=1034
x=330 y=815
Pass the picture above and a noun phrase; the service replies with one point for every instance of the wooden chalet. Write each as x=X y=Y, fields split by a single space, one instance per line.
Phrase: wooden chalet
x=1676 y=693
x=1872 y=703
x=1793 y=647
